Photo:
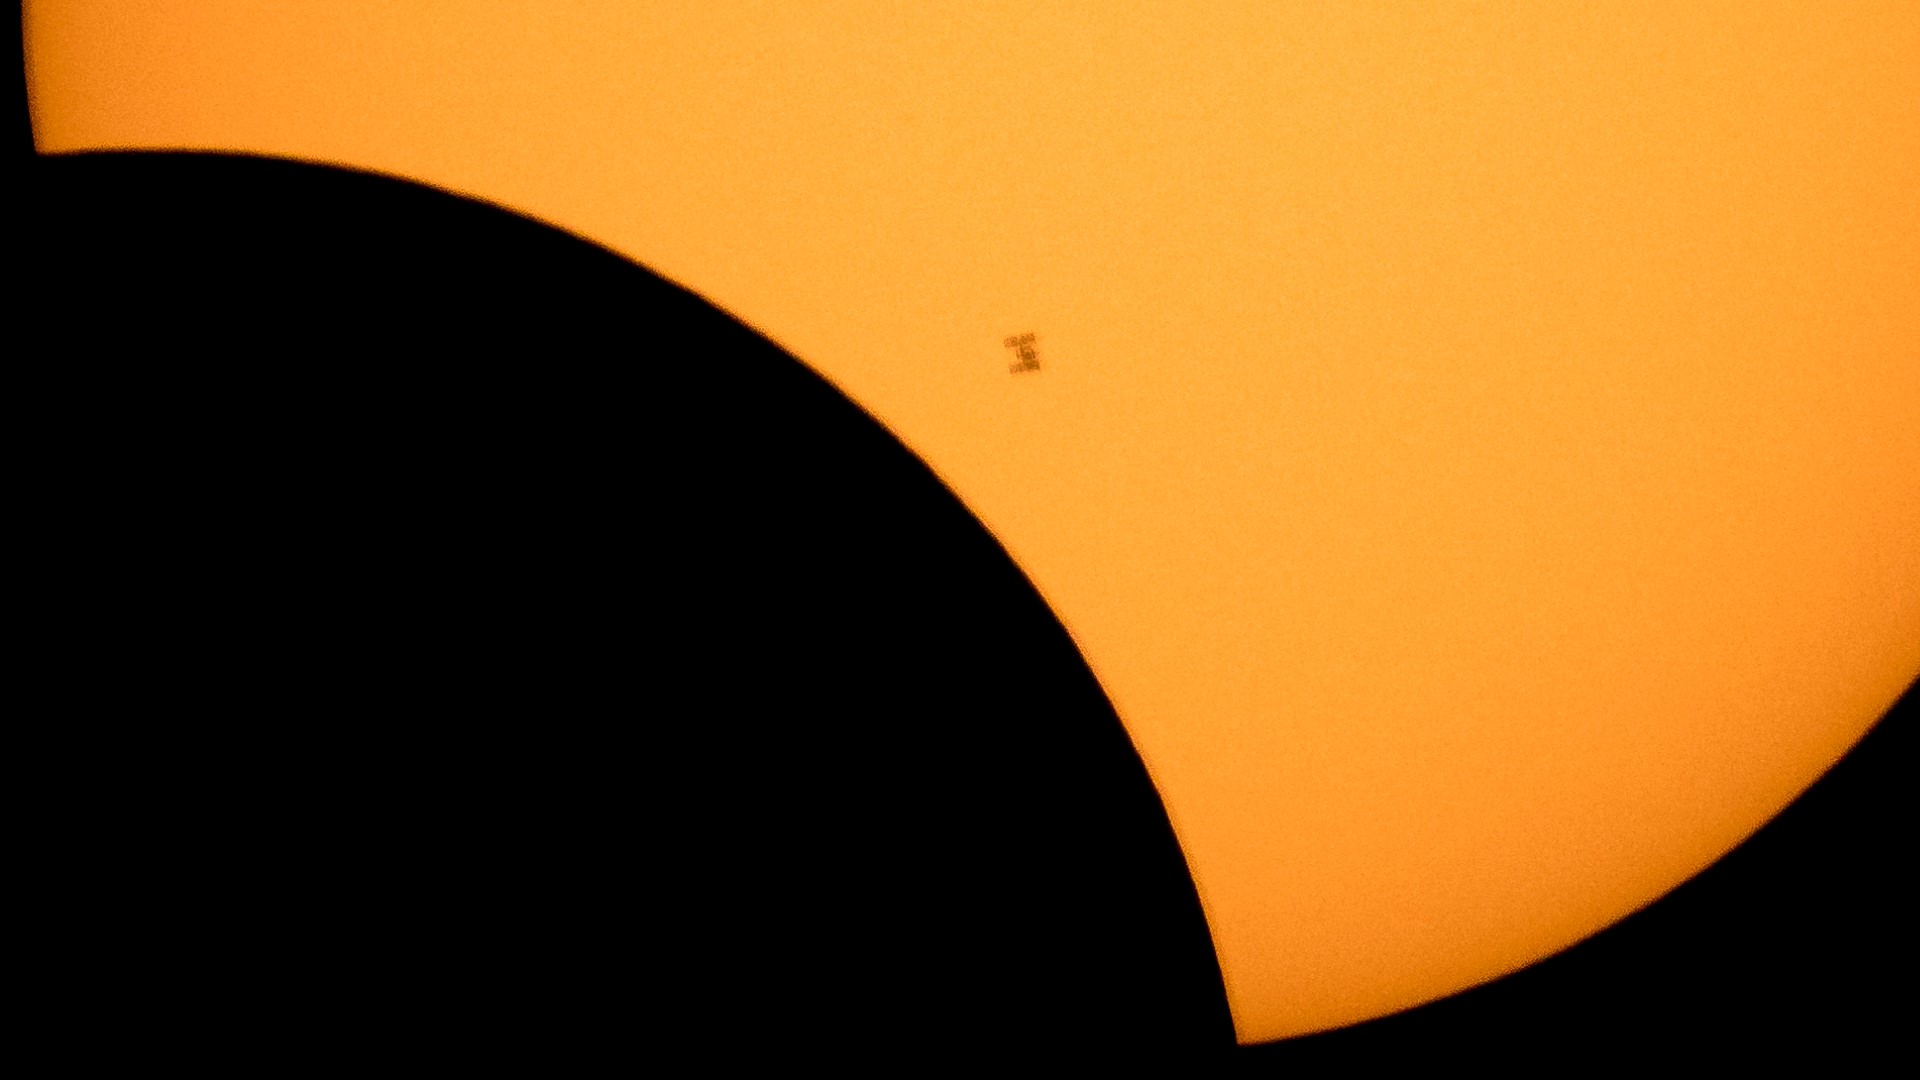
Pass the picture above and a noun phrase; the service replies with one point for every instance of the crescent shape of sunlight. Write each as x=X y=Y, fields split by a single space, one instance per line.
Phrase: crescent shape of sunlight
x=1477 y=448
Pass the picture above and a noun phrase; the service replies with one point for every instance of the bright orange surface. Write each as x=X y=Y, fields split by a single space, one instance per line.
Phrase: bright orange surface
x=1476 y=446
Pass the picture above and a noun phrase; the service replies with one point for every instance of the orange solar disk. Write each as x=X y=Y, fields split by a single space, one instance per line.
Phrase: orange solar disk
x=1477 y=448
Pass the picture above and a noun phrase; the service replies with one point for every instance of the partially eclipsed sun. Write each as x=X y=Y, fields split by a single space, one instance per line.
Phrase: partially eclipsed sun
x=1476 y=448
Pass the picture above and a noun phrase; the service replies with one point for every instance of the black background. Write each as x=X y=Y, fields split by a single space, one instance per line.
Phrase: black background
x=530 y=662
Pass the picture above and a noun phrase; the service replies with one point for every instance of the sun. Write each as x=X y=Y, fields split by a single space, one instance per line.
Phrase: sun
x=1475 y=448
